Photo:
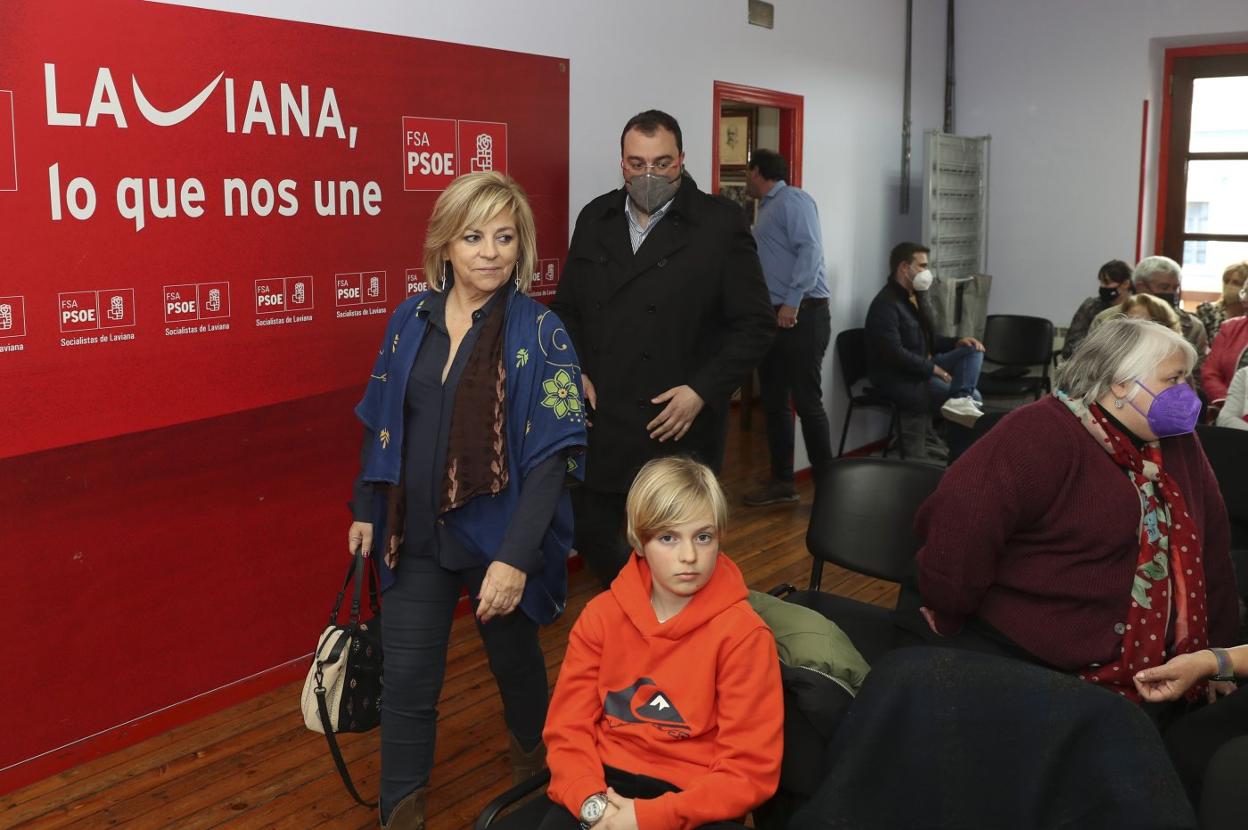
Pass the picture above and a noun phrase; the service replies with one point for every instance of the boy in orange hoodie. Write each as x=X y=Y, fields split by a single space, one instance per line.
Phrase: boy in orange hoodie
x=668 y=712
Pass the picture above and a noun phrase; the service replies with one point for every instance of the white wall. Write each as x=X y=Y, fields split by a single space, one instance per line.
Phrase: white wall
x=1060 y=86
x=844 y=56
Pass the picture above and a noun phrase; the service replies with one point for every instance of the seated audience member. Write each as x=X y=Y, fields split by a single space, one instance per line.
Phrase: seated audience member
x=907 y=362
x=1211 y=745
x=1115 y=286
x=1148 y=307
x=668 y=712
x=1230 y=304
x=1229 y=354
x=1163 y=278
x=1086 y=531
x=1234 y=411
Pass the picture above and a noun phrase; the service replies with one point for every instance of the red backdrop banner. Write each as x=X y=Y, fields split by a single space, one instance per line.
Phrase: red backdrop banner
x=207 y=221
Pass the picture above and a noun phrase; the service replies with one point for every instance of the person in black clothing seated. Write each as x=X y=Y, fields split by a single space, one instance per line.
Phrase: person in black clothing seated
x=1114 y=280
x=907 y=362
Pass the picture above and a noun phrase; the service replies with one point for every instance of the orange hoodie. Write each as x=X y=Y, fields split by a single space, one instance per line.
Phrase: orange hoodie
x=695 y=701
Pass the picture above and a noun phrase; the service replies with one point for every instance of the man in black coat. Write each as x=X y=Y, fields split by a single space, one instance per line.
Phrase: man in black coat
x=664 y=299
x=906 y=361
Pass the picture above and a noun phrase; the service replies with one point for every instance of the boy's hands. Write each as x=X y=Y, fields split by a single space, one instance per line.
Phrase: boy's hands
x=620 y=814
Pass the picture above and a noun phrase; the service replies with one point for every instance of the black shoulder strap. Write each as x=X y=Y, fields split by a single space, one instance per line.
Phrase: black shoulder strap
x=323 y=708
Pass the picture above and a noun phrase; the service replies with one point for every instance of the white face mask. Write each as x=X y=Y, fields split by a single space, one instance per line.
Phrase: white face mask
x=922 y=280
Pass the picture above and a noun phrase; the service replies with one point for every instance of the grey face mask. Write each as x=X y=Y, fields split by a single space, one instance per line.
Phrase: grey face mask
x=650 y=192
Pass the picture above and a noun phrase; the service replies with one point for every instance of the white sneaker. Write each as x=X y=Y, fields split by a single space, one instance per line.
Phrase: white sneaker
x=961 y=411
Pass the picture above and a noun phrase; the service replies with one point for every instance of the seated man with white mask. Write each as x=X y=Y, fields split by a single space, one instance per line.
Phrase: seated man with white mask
x=909 y=363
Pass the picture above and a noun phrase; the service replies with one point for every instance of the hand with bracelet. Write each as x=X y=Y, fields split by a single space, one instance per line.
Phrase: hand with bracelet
x=1171 y=680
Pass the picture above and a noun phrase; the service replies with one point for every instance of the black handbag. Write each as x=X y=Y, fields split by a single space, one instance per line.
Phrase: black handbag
x=342 y=692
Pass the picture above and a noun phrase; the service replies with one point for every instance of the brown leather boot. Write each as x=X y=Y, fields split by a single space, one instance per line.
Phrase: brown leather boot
x=408 y=814
x=525 y=765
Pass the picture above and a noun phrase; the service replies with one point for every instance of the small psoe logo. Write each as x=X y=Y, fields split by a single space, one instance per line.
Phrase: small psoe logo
x=116 y=309
x=484 y=159
x=300 y=294
x=374 y=286
x=213 y=303
x=6 y=317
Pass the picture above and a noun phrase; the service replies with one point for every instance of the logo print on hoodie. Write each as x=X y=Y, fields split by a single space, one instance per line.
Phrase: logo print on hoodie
x=645 y=702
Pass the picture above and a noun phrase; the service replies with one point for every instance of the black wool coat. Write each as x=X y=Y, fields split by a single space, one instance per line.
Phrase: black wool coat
x=689 y=308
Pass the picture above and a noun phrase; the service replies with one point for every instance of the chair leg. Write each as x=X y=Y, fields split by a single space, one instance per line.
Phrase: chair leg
x=894 y=428
x=816 y=574
x=845 y=428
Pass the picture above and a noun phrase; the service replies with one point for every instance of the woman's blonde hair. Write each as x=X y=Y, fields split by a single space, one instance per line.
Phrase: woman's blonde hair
x=671 y=491
x=1236 y=269
x=471 y=201
x=1158 y=311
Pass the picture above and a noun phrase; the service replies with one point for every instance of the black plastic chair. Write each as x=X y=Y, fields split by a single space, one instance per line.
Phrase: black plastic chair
x=1016 y=343
x=1227 y=450
x=525 y=816
x=861 y=520
x=851 y=354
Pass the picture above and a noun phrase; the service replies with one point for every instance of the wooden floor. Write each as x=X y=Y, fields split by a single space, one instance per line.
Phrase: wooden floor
x=255 y=765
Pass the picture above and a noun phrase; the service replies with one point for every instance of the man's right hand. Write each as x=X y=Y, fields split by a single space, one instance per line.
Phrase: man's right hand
x=360 y=536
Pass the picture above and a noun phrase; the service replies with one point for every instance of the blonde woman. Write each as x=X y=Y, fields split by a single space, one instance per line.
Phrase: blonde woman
x=473 y=420
x=1148 y=307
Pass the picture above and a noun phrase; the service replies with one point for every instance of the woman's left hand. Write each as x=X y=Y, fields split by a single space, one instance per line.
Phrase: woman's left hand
x=501 y=590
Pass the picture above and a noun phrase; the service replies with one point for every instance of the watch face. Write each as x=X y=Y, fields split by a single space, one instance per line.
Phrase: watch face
x=593 y=808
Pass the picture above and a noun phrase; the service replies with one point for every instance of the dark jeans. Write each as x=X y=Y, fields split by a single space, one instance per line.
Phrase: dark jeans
x=793 y=368
x=964 y=364
x=416 y=626
x=598 y=535
x=628 y=785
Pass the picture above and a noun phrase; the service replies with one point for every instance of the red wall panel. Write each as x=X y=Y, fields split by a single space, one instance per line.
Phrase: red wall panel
x=177 y=440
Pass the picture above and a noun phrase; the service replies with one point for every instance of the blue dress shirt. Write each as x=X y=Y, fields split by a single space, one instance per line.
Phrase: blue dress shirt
x=790 y=246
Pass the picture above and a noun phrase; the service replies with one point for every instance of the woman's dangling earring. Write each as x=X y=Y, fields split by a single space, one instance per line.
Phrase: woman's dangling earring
x=1117 y=403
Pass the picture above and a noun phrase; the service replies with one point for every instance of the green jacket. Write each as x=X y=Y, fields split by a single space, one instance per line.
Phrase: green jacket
x=807 y=639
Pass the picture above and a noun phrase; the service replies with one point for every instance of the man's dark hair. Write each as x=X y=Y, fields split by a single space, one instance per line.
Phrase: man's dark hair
x=769 y=164
x=1116 y=271
x=904 y=253
x=649 y=122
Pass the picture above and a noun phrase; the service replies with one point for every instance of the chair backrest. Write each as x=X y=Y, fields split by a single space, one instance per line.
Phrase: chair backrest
x=864 y=511
x=851 y=355
x=1227 y=449
x=1017 y=340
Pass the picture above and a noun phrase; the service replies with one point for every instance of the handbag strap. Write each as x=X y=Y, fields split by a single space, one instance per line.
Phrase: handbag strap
x=355 y=571
x=323 y=709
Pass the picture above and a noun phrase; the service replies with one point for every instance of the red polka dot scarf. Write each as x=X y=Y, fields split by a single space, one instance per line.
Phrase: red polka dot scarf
x=1169 y=585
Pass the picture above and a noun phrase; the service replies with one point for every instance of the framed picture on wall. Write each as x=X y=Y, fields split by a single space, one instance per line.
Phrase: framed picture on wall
x=736 y=136
x=734 y=189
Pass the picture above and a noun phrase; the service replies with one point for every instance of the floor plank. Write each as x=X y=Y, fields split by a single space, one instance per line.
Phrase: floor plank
x=255 y=765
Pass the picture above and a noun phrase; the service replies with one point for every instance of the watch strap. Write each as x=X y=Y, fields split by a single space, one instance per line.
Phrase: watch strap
x=1226 y=670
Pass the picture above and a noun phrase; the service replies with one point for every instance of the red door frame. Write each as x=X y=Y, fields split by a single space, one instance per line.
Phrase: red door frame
x=1163 y=147
x=790 y=106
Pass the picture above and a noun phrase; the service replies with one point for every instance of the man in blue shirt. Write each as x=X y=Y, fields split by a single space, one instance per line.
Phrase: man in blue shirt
x=790 y=247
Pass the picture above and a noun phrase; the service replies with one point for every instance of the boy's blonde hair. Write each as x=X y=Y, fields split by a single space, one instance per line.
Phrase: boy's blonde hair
x=671 y=491
x=472 y=200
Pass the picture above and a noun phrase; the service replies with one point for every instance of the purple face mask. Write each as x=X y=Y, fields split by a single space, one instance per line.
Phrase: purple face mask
x=1174 y=410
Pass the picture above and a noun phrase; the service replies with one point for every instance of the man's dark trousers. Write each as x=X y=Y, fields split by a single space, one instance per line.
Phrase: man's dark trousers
x=793 y=368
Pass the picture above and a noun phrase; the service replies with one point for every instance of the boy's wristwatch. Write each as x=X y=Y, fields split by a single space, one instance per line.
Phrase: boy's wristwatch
x=592 y=810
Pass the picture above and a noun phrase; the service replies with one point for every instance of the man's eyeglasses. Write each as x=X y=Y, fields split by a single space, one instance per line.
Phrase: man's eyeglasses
x=660 y=166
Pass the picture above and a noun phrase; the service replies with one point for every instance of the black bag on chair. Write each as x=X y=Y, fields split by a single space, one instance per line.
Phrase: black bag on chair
x=342 y=692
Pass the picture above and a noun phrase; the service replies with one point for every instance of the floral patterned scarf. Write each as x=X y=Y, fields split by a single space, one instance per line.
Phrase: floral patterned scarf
x=1169 y=584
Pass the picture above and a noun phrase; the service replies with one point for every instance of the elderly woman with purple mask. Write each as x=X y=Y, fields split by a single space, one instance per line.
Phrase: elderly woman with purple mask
x=1086 y=531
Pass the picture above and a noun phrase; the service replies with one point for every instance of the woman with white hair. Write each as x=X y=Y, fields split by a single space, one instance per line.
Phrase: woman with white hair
x=1086 y=531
